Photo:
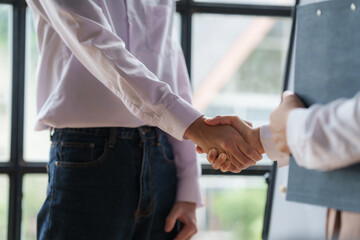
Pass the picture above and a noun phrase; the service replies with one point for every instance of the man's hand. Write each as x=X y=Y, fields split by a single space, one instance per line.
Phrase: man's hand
x=279 y=117
x=223 y=138
x=251 y=136
x=185 y=213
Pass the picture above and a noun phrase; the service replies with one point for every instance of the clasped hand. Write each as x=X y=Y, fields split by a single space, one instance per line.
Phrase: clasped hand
x=231 y=143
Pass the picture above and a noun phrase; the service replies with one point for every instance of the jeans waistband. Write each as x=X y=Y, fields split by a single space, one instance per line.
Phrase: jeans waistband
x=119 y=132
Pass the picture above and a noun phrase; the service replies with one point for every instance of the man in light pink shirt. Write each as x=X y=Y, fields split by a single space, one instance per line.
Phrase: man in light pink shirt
x=111 y=74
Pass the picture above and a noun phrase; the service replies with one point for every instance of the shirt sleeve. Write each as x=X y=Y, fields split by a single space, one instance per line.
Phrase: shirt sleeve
x=85 y=30
x=270 y=147
x=326 y=137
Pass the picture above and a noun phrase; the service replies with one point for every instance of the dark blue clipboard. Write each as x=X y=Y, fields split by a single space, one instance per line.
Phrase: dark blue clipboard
x=327 y=67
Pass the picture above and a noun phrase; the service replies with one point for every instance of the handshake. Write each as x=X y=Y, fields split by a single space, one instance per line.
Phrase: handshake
x=232 y=144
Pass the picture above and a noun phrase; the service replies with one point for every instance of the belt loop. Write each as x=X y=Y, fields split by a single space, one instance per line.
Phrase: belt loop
x=112 y=138
x=51 y=133
x=158 y=134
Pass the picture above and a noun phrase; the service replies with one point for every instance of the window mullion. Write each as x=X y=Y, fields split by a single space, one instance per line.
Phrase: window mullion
x=17 y=119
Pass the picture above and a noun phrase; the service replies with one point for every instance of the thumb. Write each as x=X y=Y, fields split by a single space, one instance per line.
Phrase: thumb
x=199 y=150
x=248 y=123
x=286 y=94
x=213 y=121
x=218 y=120
x=171 y=220
x=240 y=125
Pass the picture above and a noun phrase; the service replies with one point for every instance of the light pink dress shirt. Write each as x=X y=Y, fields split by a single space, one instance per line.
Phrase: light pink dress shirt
x=116 y=63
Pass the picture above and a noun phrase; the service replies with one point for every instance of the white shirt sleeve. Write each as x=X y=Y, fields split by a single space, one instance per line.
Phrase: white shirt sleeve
x=270 y=147
x=85 y=30
x=326 y=137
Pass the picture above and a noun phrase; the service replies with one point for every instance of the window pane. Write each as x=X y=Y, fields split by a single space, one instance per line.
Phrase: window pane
x=234 y=209
x=4 y=205
x=5 y=80
x=177 y=26
x=237 y=65
x=34 y=194
x=36 y=144
x=263 y=2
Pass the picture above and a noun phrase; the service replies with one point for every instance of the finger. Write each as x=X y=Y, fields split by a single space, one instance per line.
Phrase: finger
x=292 y=100
x=240 y=125
x=213 y=121
x=212 y=155
x=239 y=159
x=287 y=93
x=170 y=221
x=248 y=123
x=226 y=166
x=199 y=150
x=219 y=161
x=186 y=232
x=233 y=169
x=246 y=150
x=237 y=166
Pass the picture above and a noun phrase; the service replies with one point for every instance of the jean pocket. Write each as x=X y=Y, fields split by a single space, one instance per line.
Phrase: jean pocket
x=166 y=150
x=81 y=154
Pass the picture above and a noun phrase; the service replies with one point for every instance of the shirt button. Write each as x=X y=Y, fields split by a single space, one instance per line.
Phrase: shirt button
x=318 y=12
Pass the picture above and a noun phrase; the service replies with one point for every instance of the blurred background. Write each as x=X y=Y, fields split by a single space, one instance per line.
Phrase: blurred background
x=235 y=51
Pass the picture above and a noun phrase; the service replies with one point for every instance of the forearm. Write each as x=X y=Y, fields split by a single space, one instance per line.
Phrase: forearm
x=326 y=137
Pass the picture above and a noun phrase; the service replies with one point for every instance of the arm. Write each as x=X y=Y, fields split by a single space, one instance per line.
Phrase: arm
x=321 y=137
x=85 y=30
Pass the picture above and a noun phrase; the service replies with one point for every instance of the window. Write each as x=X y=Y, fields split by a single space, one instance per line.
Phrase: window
x=234 y=209
x=36 y=143
x=4 y=205
x=34 y=194
x=234 y=49
x=5 y=76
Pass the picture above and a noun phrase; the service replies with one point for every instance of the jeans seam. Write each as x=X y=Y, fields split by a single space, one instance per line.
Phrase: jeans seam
x=83 y=132
x=50 y=204
x=139 y=213
x=166 y=158
x=84 y=165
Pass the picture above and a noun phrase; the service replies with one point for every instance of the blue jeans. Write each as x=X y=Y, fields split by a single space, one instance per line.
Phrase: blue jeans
x=108 y=183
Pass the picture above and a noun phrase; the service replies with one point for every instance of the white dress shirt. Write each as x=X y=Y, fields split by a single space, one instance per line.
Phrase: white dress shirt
x=115 y=63
x=323 y=137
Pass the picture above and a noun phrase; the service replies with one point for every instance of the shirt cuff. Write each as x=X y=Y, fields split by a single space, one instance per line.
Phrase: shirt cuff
x=270 y=147
x=295 y=131
x=177 y=118
x=188 y=190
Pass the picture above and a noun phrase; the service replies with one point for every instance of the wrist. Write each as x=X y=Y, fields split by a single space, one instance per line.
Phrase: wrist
x=192 y=132
x=258 y=146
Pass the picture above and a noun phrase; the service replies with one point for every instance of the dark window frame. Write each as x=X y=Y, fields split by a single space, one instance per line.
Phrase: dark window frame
x=16 y=167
